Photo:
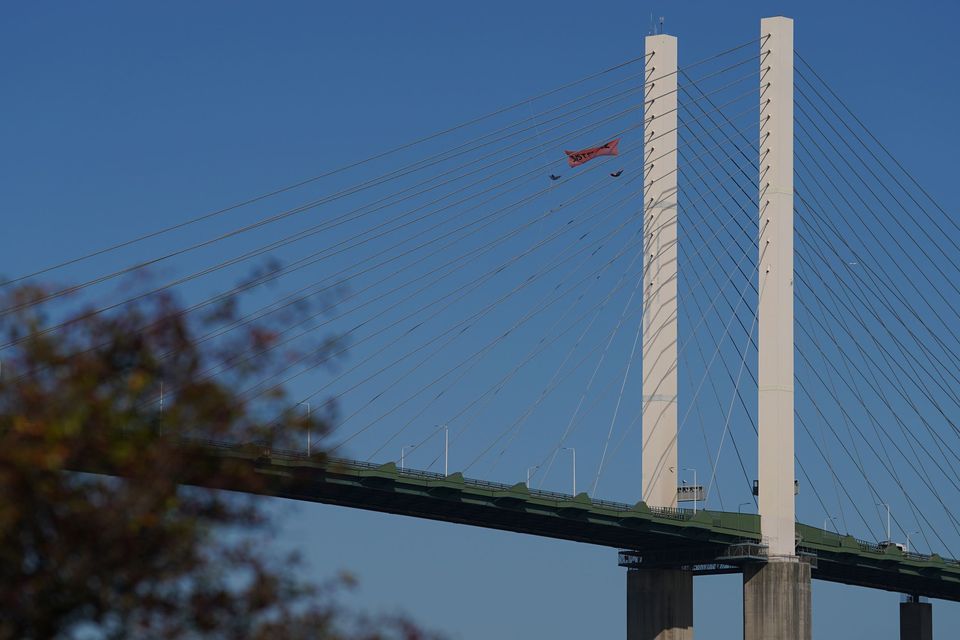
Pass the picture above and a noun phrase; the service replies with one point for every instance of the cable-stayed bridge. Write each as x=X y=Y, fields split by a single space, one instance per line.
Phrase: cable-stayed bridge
x=497 y=310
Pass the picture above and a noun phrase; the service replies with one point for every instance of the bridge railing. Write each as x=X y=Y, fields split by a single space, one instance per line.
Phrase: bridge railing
x=612 y=504
x=872 y=547
x=673 y=514
x=869 y=546
x=663 y=512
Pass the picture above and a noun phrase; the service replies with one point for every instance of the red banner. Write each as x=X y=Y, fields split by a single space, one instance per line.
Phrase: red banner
x=576 y=158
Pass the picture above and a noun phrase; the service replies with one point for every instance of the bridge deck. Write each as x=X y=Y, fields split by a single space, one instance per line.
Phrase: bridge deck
x=673 y=536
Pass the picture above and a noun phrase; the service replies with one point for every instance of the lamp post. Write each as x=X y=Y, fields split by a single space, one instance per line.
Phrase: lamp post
x=740 y=512
x=574 y=453
x=307 y=405
x=694 y=488
x=832 y=519
x=529 y=469
x=884 y=504
x=446 y=447
x=161 y=407
x=403 y=451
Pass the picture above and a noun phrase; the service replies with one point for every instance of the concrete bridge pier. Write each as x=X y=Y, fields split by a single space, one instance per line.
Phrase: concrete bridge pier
x=659 y=604
x=916 y=620
x=776 y=600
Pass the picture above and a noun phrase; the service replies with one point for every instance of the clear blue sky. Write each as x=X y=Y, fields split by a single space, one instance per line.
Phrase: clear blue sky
x=122 y=117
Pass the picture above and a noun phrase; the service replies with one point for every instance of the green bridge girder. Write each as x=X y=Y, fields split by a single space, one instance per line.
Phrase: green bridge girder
x=666 y=533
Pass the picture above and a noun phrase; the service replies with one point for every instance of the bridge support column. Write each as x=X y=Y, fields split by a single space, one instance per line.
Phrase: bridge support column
x=916 y=620
x=659 y=417
x=775 y=314
x=660 y=601
x=659 y=604
x=776 y=600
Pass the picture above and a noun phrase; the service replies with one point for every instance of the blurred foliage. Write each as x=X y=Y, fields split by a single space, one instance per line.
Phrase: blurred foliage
x=134 y=392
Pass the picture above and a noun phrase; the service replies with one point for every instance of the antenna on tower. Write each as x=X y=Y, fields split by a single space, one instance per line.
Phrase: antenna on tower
x=661 y=25
x=651 y=32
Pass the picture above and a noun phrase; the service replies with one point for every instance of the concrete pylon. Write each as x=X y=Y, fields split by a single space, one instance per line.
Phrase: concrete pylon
x=659 y=420
x=775 y=377
x=659 y=604
x=776 y=594
x=916 y=620
x=660 y=601
x=777 y=600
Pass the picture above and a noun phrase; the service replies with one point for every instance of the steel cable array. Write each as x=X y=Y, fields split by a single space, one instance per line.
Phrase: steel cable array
x=479 y=283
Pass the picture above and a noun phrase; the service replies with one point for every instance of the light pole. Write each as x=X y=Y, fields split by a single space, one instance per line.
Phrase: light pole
x=740 y=512
x=574 y=453
x=832 y=519
x=446 y=449
x=884 y=504
x=161 y=407
x=403 y=451
x=529 y=469
x=694 y=488
x=307 y=405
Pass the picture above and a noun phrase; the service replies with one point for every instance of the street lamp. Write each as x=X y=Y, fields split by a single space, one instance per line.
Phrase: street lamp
x=884 y=504
x=574 y=453
x=161 y=407
x=832 y=519
x=740 y=512
x=529 y=469
x=446 y=447
x=307 y=405
x=403 y=451
x=694 y=488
